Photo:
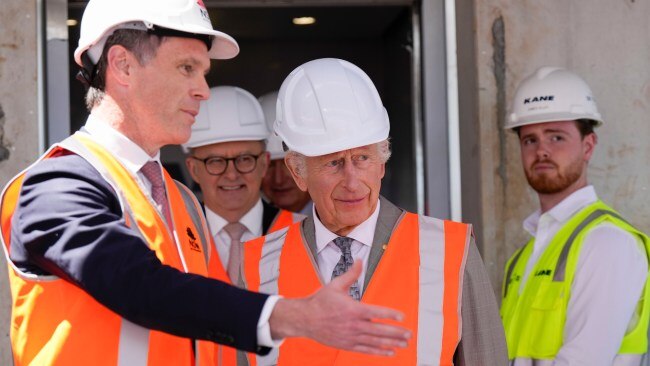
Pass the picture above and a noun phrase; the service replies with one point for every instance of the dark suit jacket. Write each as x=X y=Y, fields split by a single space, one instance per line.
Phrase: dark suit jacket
x=483 y=339
x=68 y=223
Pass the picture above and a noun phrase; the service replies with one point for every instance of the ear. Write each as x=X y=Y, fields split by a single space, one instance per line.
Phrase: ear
x=300 y=181
x=119 y=64
x=588 y=144
x=191 y=164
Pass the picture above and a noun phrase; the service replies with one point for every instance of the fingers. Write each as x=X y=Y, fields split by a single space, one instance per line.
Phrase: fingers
x=380 y=312
x=386 y=335
x=344 y=281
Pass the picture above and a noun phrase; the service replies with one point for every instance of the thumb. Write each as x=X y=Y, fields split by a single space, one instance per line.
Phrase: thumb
x=344 y=281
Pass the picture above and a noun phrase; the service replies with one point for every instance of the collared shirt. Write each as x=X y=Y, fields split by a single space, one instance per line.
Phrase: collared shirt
x=329 y=254
x=133 y=157
x=610 y=276
x=127 y=152
x=252 y=220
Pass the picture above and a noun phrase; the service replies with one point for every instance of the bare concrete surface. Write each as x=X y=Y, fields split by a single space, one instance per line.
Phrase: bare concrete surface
x=608 y=44
x=18 y=118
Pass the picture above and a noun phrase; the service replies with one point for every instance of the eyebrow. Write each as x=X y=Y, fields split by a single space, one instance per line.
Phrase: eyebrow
x=195 y=62
x=544 y=132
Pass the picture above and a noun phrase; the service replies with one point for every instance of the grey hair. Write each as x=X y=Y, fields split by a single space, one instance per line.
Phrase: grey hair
x=142 y=44
x=299 y=161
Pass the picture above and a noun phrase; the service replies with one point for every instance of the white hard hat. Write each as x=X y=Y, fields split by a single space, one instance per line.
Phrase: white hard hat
x=231 y=114
x=329 y=105
x=274 y=143
x=553 y=94
x=102 y=17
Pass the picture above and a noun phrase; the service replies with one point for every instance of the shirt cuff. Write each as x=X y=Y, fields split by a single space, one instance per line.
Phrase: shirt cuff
x=264 y=328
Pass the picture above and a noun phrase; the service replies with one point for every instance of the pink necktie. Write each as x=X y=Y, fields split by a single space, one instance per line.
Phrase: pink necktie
x=235 y=231
x=152 y=172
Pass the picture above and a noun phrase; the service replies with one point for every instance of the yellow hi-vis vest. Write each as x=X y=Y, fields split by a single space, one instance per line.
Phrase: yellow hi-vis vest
x=54 y=322
x=534 y=319
x=420 y=273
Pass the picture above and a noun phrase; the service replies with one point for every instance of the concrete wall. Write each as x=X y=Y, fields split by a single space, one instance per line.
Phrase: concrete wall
x=18 y=117
x=608 y=44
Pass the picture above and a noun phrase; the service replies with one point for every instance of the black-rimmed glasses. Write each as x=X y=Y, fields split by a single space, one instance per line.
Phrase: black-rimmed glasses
x=217 y=165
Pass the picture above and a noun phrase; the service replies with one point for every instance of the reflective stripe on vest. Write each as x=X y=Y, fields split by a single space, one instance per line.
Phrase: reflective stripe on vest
x=283 y=219
x=420 y=274
x=534 y=317
x=53 y=321
x=228 y=355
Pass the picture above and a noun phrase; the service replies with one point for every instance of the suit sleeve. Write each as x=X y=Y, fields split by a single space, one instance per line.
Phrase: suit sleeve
x=69 y=223
x=483 y=339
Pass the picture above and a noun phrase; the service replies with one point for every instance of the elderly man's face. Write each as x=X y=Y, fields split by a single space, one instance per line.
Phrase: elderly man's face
x=344 y=186
x=230 y=194
x=281 y=190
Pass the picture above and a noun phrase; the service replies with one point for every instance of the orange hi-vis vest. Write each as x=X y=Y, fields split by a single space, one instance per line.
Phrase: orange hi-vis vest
x=420 y=274
x=228 y=355
x=284 y=219
x=54 y=322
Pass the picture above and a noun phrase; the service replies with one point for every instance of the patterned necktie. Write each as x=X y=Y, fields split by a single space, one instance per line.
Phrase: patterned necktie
x=151 y=171
x=236 y=253
x=345 y=243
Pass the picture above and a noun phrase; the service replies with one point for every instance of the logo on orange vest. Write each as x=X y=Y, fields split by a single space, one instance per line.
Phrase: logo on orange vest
x=193 y=244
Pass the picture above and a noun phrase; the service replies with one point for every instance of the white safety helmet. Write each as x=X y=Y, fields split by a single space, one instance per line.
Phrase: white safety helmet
x=102 y=17
x=274 y=143
x=231 y=114
x=553 y=94
x=329 y=105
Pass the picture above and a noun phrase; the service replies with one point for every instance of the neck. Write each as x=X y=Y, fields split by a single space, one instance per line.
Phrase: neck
x=230 y=215
x=549 y=200
x=116 y=116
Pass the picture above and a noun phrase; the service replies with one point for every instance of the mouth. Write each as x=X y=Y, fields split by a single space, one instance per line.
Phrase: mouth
x=351 y=201
x=231 y=188
x=191 y=112
x=281 y=190
x=543 y=165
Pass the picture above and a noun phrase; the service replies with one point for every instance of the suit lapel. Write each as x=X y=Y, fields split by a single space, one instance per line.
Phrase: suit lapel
x=389 y=216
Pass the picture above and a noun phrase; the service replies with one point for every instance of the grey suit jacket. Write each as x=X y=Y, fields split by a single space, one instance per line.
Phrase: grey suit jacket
x=483 y=340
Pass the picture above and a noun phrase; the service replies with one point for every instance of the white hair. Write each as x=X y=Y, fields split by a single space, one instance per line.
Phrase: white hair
x=299 y=161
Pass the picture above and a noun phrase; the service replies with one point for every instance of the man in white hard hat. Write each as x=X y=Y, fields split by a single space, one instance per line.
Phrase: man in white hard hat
x=574 y=294
x=278 y=185
x=107 y=254
x=228 y=159
x=333 y=122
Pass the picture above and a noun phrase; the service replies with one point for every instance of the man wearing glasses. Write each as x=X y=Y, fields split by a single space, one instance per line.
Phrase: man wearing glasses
x=228 y=160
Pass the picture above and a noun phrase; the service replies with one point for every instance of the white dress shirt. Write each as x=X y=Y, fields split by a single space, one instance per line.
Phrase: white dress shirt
x=133 y=157
x=252 y=221
x=329 y=254
x=610 y=277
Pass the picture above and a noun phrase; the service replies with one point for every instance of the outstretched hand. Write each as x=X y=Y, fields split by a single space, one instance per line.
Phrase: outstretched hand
x=330 y=316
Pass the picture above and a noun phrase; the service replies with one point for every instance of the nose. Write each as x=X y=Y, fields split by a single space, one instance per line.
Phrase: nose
x=231 y=173
x=202 y=90
x=542 y=150
x=278 y=172
x=350 y=175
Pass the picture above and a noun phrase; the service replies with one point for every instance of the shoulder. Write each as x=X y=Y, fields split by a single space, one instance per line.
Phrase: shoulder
x=58 y=178
x=607 y=242
x=62 y=167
